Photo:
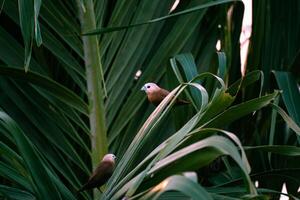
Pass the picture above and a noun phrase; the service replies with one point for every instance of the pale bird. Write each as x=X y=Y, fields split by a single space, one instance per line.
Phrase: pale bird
x=156 y=94
x=101 y=174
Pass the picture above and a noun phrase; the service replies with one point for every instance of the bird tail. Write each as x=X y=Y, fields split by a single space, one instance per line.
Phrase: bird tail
x=182 y=102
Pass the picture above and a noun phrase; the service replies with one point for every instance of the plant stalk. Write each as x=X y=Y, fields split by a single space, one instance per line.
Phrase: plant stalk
x=94 y=78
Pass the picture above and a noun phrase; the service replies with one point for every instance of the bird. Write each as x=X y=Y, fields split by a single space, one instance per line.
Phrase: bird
x=101 y=174
x=156 y=94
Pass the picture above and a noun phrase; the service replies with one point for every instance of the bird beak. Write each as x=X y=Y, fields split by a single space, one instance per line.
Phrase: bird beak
x=143 y=88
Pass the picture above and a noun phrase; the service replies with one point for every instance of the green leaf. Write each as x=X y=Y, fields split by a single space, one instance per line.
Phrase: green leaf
x=290 y=93
x=37 y=31
x=26 y=14
x=82 y=5
x=181 y=184
x=272 y=128
x=15 y=193
x=45 y=125
x=184 y=12
x=221 y=144
x=240 y=110
x=58 y=90
x=189 y=68
x=1 y=8
x=192 y=157
x=32 y=160
x=222 y=69
x=290 y=122
x=15 y=176
x=172 y=143
x=137 y=143
x=277 y=149
x=245 y=81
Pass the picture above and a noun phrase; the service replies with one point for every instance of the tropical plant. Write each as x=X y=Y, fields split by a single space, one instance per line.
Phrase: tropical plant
x=274 y=49
x=68 y=98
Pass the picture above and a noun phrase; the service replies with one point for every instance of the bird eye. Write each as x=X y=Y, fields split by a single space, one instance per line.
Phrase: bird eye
x=148 y=86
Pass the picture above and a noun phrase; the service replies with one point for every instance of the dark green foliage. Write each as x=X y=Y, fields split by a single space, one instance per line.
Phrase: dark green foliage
x=45 y=148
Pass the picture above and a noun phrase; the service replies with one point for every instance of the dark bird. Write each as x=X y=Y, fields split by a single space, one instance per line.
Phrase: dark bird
x=101 y=174
x=156 y=94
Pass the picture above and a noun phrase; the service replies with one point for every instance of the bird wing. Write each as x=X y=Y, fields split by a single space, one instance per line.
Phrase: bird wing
x=157 y=96
x=100 y=176
x=164 y=93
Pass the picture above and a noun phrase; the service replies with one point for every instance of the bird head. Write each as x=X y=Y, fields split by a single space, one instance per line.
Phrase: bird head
x=109 y=157
x=150 y=87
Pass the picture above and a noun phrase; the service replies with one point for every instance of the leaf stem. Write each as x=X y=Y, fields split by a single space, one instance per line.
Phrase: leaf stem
x=94 y=78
